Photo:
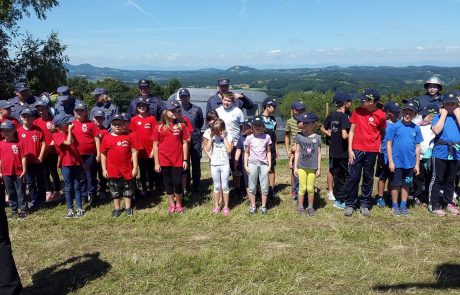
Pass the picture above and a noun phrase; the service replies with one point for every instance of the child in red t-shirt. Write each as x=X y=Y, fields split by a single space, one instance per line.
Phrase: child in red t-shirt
x=367 y=129
x=142 y=126
x=88 y=144
x=13 y=169
x=170 y=151
x=70 y=163
x=34 y=149
x=98 y=119
x=186 y=121
x=5 y=114
x=45 y=122
x=119 y=165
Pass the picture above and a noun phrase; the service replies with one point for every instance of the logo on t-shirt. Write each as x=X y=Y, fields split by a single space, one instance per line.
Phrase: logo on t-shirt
x=176 y=130
x=123 y=143
x=15 y=149
x=139 y=123
x=84 y=128
x=371 y=121
x=23 y=135
x=49 y=124
x=34 y=138
x=147 y=125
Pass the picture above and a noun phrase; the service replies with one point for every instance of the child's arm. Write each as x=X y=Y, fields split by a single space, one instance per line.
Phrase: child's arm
x=24 y=168
x=287 y=143
x=296 y=158
x=228 y=145
x=98 y=148
x=205 y=142
x=269 y=157
x=391 y=164
x=246 y=159
x=208 y=147
x=439 y=126
x=68 y=141
x=104 y=165
x=345 y=134
x=185 y=144
x=1 y=175
x=42 y=152
x=351 y=154
x=155 y=156
x=237 y=157
x=135 y=162
x=318 y=171
x=325 y=131
x=417 y=159
x=457 y=114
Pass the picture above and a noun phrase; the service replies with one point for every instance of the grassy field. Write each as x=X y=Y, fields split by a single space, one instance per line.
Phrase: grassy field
x=200 y=253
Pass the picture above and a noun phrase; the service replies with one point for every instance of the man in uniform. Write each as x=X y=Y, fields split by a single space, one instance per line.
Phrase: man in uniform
x=433 y=86
x=155 y=103
x=223 y=85
x=65 y=103
x=103 y=104
x=22 y=100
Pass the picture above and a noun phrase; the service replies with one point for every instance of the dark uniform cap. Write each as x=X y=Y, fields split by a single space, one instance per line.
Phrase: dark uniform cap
x=340 y=98
x=99 y=91
x=298 y=105
x=81 y=106
x=21 y=86
x=169 y=106
x=61 y=119
x=269 y=101
x=391 y=106
x=142 y=100
x=371 y=94
x=307 y=118
x=99 y=113
x=5 y=104
x=411 y=104
x=257 y=121
x=245 y=123
x=184 y=92
x=118 y=117
x=430 y=109
x=63 y=90
x=7 y=125
x=223 y=82
x=144 y=83
x=449 y=97
x=27 y=112
x=42 y=103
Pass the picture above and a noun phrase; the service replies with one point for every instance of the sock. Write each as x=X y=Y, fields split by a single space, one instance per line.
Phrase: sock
x=403 y=204
x=395 y=205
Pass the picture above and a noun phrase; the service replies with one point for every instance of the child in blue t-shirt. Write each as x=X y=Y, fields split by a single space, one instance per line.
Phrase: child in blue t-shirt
x=446 y=156
x=403 y=150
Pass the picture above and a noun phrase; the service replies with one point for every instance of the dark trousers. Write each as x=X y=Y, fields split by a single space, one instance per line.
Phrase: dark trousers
x=51 y=171
x=443 y=178
x=72 y=189
x=172 y=178
x=102 y=179
x=341 y=176
x=88 y=178
x=422 y=181
x=10 y=283
x=16 y=190
x=364 y=165
x=147 y=173
x=35 y=178
x=195 y=163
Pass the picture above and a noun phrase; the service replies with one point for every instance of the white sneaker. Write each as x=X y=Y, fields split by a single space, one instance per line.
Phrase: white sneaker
x=330 y=196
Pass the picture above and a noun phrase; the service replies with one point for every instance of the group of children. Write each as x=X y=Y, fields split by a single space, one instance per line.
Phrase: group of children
x=90 y=156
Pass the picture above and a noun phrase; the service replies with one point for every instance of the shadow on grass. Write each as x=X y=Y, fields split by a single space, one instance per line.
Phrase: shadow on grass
x=68 y=276
x=447 y=277
x=147 y=202
x=201 y=197
x=319 y=202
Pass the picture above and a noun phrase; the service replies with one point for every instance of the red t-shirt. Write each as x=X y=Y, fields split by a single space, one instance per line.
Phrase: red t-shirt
x=102 y=132
x=84 y=133
x=368 y=129
x=143 y=128
x=170 y=144
x=45 y=127
x=117 y=149
x=11 y=154
x=188 y=124
x=32 y=140
x=69 y=155
x=15 y=122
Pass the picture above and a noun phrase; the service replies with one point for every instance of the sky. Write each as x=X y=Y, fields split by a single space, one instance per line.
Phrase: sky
x=174 y=35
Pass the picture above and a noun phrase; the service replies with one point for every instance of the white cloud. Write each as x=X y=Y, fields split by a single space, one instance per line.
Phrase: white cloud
x=139 y=8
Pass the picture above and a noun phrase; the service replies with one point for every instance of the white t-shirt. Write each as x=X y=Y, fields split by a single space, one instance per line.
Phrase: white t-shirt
x=427 y=143
x=219 y=154
x=232 y=117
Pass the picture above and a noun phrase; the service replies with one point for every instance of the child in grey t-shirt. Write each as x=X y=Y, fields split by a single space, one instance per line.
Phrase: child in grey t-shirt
x=307 y=160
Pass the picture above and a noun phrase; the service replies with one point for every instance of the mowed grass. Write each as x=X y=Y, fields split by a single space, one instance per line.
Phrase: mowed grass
x=200 y=253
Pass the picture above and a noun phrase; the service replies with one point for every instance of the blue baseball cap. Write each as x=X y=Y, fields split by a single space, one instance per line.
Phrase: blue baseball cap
x=391 y=106
x=142 y=100
x=246 y=122
x=63 y=90
x=307 y=118
x=4 y=104
x=61 y=119
x=169 y=106
x=223 y=82
x=81 y=106
x=144 y=83
x=27 y=112
x=118 y=117
x=125 y=116
x=184 y=92
x=371 y=94
x=269 y=102
x=99 y=91
x=21 y=86
x=449 y=97
x=340 y=98
x=7 y=125
x=298 y=105
x=41 y=103
x=430 y=109
x=99 y=113
x=257 y=121
x=411 y=104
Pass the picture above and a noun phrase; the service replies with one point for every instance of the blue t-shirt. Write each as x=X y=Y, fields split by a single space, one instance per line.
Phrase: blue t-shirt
x=383 y=148
x=450 y=133
x=404 y=139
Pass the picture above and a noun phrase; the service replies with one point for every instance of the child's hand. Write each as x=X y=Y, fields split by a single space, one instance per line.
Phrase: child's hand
x=351 y=157
x=184 y=165
x=391 y=166
x=247 y=169
x=70 y=127
x=296 y=172
x=23 y=175
x=105 y=174
x=291 y=162
x=417 y=170
x=157 y=168
x=134 y=172
x=443 y=112
x=98 y=158
x=318 y=173
x=457 y=111
x=222 y=134
x=151 y=155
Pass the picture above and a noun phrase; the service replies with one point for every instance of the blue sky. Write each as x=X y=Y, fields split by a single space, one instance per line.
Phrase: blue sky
x=142 y=34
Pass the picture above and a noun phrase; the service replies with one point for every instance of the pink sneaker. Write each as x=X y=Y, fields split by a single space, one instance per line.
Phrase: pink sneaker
x=226 y=211
x=440 y=212
x=452 y=209
x=216 y=210
x=179 y=209
x=49 y=196
x=171 y=209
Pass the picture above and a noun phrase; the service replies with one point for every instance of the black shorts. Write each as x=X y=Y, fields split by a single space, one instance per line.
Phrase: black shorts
x=272 y=169
x=382 y=171
x=402 y=177
x=331 y=162
x=122 y=188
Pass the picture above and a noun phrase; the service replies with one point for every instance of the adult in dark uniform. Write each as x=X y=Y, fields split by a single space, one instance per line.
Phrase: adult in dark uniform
x=10 y=283
x=223 y=86
x=433 y=87
x=65 y=102
x=155 y=103
x=103 y=104
x=195 y=115
x=22 y=100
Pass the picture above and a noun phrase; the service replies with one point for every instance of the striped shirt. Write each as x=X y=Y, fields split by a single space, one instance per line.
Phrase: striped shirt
x=291 y=127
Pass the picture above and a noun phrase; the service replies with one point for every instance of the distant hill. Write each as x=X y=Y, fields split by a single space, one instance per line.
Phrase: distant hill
x=280 y=81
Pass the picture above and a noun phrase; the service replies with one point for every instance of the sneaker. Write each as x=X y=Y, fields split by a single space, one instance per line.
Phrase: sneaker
x=311 y=211
x=216 y=210
x=381 y=203
x=14 y=214
x=80 y=213
x=263 y=210
x=348 y=211
x=417 y=202
x=301 y=210
x=330 y=196
x=439 y=212
x=49 y=196
x=171 y=209
x=365 y=211
x=339 y=205
x=69 y=213
x=22 y=214
x=252 y=210
x=129 y=211
x=179 y=209
x=226 y=211
x=452 y=209
x=396 y=211
x=116 y=212
x=404 y=211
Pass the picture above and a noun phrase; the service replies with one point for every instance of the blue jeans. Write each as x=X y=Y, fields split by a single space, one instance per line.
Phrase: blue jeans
x=364 y=164
x=16 y=190
x=71 y=175
x=88 y=181
x=35 y=178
